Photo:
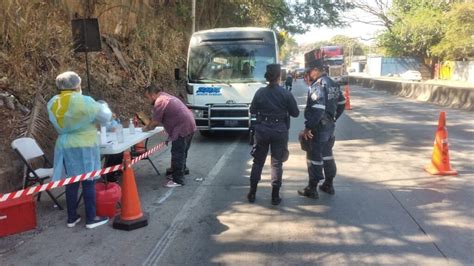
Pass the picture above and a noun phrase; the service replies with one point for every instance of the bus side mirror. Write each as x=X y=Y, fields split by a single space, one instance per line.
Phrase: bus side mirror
x=189 y=89
x=176 y=74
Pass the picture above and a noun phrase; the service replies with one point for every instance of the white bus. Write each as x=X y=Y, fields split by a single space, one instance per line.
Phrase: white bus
x=225 y=67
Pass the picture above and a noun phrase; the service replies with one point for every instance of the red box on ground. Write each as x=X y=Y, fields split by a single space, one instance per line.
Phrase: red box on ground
x=17 y=215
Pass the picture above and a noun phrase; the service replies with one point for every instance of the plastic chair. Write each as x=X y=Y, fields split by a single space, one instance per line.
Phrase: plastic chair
x=138 y=150
x=29 y=150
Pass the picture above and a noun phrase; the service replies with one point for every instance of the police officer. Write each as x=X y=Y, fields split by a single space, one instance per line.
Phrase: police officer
x=324 y=106
x=289 y=82
x=272 y=105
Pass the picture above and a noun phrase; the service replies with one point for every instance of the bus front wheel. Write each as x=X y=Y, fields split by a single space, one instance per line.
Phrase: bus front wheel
x=205 y=133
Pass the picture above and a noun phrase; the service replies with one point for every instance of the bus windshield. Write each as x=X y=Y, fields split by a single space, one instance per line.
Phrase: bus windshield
x=230 y=62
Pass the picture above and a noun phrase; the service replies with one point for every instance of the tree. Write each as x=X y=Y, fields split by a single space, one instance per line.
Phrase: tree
x=352 y=46
x=416 y=26
x=420 y=29
x=310 y=46
x=371 y=12
x=299 y=16
x=458 y=40
x=289 y=46
x=289 y=16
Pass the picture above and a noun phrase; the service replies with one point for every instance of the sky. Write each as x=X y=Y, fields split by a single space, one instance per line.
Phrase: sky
x=364 y=32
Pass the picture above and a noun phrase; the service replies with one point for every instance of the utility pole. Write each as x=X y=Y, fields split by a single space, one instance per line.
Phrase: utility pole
x=193 y=15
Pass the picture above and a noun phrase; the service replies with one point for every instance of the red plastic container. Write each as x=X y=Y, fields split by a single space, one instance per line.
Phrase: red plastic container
x=17 y=215
x=107 y=197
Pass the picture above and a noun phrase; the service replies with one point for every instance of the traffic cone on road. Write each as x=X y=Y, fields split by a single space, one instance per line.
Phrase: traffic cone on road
x=131 y=216
x=348 y=98
x=440 y=160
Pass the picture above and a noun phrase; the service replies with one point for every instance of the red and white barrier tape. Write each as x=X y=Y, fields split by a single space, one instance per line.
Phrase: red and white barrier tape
x=77 y=178
x=145 y=154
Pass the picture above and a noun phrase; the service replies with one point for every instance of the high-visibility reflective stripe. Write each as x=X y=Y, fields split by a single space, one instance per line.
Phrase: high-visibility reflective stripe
x=328 y=158
x=319 y=106
x=341 y=102
x=314 y=162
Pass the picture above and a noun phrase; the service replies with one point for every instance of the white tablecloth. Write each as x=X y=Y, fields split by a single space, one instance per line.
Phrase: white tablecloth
x=113 y=147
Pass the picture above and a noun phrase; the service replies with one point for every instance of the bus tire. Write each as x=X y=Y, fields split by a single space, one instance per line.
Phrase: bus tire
x=205 y=133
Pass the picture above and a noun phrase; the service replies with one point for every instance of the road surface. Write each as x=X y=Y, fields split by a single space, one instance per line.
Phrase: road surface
x=386 y=210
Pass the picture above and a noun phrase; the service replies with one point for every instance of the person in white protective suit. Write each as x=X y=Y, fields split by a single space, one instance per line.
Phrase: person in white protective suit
x=74 y=116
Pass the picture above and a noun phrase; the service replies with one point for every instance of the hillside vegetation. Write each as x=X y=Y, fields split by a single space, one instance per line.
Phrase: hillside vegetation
x=142 y=42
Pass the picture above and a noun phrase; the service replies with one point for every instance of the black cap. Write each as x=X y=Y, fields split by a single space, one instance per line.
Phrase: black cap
x=273 y=71
x=318 y=64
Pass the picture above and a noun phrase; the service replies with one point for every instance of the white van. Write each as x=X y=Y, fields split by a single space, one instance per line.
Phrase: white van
x=225 y=67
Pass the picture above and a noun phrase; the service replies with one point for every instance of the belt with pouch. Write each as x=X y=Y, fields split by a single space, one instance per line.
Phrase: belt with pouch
x=326 y=119
x=271 y=119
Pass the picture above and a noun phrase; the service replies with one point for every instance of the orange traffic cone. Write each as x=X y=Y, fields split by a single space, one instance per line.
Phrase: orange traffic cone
x=348 y=98
x=132 y=216
x=440 y=160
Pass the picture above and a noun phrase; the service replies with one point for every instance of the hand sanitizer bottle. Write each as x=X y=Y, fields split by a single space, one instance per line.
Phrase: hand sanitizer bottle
x=131 y=127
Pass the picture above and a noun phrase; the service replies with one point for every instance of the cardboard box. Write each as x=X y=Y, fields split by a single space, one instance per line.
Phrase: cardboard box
x=17 y=215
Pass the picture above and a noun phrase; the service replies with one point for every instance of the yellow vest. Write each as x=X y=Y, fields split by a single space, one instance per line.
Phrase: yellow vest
x=60 y=106
x=87 y=135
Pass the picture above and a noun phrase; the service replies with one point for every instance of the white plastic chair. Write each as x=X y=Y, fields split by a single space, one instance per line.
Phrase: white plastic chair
x=28 y=150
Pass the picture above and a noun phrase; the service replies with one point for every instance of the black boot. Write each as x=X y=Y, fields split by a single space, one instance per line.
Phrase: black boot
x=276 y=195
x=310 y=191
x=327 y=187
x=252 y=192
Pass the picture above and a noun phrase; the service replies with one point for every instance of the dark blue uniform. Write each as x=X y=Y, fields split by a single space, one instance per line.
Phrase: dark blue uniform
x=273 y=106
x=324 y=105
x=289 y=82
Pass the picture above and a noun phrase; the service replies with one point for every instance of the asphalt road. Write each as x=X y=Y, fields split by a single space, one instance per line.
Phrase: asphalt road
x=386 y=210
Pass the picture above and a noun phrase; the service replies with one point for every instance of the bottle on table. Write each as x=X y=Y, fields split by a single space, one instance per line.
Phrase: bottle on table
x=119 y=132
x=103 y=135
x=131 y=127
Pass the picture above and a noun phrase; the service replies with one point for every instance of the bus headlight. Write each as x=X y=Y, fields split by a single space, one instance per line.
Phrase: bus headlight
x=198 y=113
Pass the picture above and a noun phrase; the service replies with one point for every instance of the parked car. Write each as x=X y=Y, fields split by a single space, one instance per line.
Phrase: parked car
x=411 y=75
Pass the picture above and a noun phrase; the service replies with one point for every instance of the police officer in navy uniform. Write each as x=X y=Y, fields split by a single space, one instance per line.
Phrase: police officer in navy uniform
x=273 y=106
x=324 y=106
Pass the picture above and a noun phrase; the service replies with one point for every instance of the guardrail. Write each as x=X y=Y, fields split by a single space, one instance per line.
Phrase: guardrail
x=445 y=95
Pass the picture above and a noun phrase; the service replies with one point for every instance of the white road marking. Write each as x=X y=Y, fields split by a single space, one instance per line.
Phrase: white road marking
x=162 y=244
x=166 y=196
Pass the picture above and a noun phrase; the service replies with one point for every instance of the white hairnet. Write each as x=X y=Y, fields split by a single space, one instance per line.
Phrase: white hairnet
x=68 y=80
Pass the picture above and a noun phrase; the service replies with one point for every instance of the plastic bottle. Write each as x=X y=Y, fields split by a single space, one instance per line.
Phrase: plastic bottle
x=119 y=132
x=131 y=127
x=135 y=121
x=103 y=135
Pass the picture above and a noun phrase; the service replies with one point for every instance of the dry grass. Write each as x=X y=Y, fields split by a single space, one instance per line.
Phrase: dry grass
x=35 y=45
